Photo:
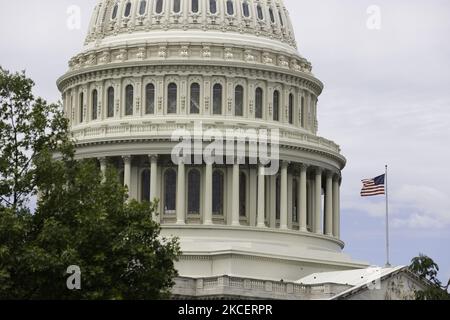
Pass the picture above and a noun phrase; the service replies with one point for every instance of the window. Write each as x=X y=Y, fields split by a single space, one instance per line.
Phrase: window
x=272 y=16
x=194 y=6
x=246 y=9
x=176 y=6
x=127 y=9
x=218 y=193
x=259 y=103
x=142 y=7
x=170 y=191
x=291 y=108
x=94 y=104
x=217 y=99
x=281 y=18
x=195 y=98
x=129 y=99
x=159 y=6
x=110 y=102
x=295 y=203
x=213 y=6
x=114 y=12
x=81 y=107
x=276 y=106
x=242 y=195
x=239 y=101
x=172 y=95
x=145 y=186
x=260 y=12
x=150 y=99
x=303 y=111
x=230 y=7
x=194 y=192
x=278 y=198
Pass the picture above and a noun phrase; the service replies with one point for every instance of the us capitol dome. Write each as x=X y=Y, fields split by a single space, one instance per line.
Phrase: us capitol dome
x=149 y=67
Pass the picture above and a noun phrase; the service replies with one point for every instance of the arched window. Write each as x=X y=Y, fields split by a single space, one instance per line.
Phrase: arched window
x=94 y=104
x=195 y=98
x=150 y=99
x=239 y=101
x=127 y=9
x=246 y=9
x=142 y=7
x=242 y=195
x=260 y=12
x=110 y=102
x=213 y=6
x=129 y=99
x=176 y=6
x=278 y=198
x=81 y=107
x=276 y=105
x=194 y=192
x=145 y=185
x=272 y=16
x=194 y=6
x=170 y=191
x=303 y=111
x=159 y=6
x=259 y=103
x=281 y=18
x=295 y=202
x=217 y=99
x=114 y=12
x=218 y=193
x=230 y=7
x=291 y=108
x=172 y=95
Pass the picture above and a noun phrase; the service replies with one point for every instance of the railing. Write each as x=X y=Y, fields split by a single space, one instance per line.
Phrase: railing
x=165 y=130
x=225 y=286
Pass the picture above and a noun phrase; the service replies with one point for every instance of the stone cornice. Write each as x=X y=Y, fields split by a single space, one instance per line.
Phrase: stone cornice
x=139 y=69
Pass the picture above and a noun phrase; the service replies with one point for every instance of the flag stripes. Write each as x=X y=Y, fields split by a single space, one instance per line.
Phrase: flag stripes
x=373 y=187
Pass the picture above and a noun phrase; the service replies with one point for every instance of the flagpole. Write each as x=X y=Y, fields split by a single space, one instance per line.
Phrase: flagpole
x=388 y=264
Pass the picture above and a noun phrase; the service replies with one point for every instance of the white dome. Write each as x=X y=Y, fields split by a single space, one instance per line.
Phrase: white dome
x=259 y=22
x=151 y=67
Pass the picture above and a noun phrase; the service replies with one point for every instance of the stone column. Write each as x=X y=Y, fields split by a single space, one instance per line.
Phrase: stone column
x=153 y=177
x=336 y=208
x=103 y=166
x=283 y=197
x=181 y=194
x=127 y=173
x=261 y=197
x=207 y=219
x=236 y=193
x=302 y=198
x=318 y=201
x=329 y=205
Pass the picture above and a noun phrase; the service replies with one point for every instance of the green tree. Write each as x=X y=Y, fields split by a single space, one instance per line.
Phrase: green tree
x=428 y=270
x=28 y=125
x=82 y=218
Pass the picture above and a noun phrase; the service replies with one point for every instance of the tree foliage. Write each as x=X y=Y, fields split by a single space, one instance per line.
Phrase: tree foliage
x=28 y=125
x=428 y=270
x=81 y=219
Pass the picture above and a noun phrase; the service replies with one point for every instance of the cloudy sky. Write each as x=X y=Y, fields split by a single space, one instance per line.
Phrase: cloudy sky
x=386 y=101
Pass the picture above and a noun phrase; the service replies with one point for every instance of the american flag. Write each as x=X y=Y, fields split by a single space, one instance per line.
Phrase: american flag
x=373 y=187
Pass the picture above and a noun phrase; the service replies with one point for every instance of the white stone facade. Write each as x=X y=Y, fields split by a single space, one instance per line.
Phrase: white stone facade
x=150 y=67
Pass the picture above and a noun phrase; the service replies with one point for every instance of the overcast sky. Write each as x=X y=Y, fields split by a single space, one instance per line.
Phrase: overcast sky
x=386 y=101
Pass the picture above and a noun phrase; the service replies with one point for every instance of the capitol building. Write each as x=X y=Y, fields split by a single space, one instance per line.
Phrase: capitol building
x=151 y=67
